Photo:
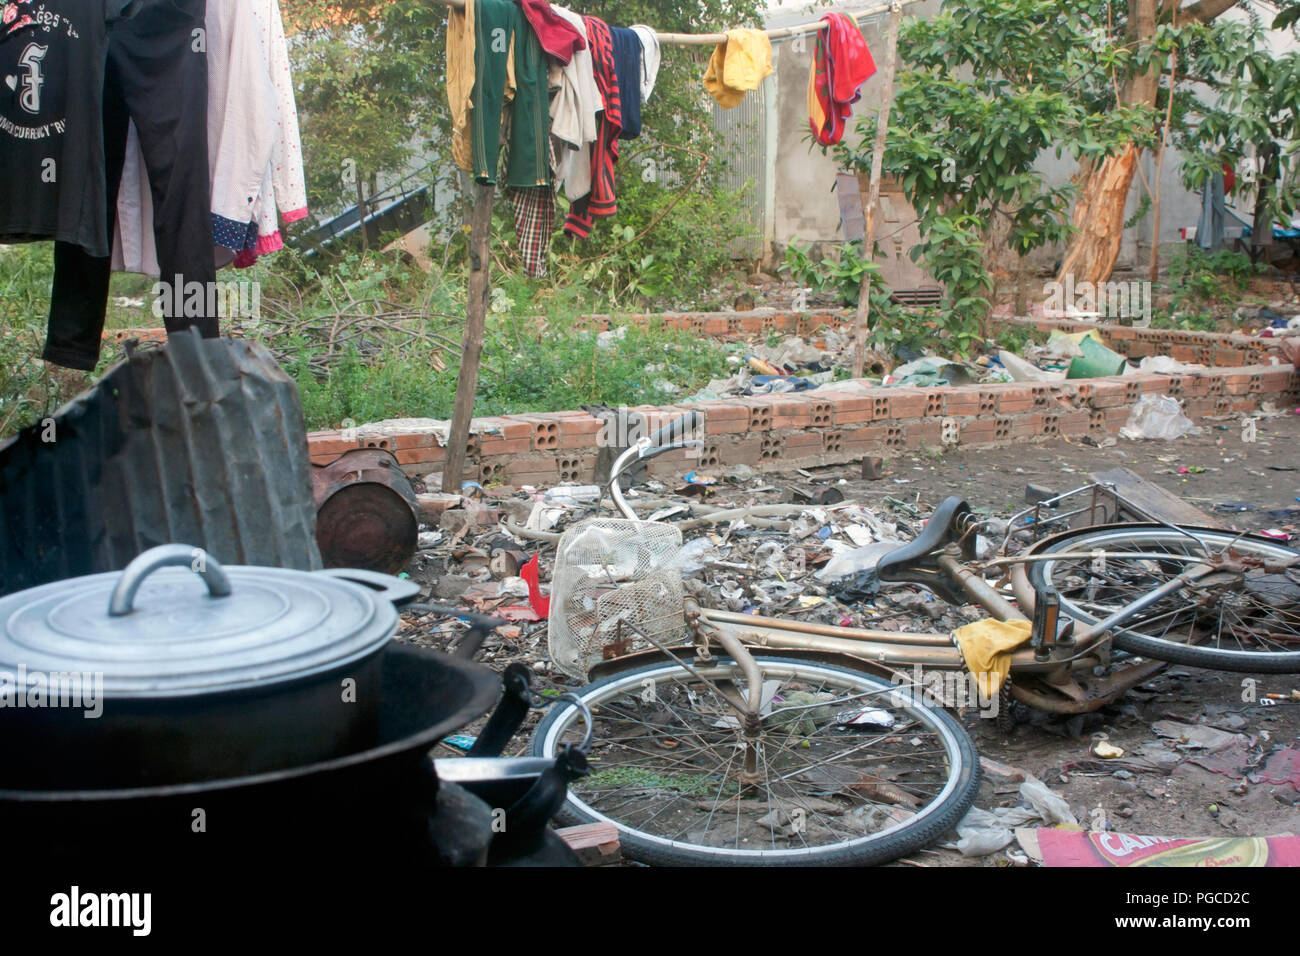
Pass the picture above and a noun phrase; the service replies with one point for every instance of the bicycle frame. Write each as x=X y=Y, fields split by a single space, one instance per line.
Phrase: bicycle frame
x=1054 y=676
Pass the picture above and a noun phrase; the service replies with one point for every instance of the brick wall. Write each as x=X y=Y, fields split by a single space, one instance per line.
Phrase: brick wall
x=838 y=426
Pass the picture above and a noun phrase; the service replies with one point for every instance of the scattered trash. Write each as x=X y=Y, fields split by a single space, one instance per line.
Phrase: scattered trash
x=1195 y=736
x=1049 y=847
x=1107 y=751
x=1096 y=361
x=853 y=562
x=987 y=831
x=571 y=495
x=1158 y=417
x=866 y=717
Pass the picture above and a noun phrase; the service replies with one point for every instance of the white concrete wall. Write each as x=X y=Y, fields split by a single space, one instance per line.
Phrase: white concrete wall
x=806 y=209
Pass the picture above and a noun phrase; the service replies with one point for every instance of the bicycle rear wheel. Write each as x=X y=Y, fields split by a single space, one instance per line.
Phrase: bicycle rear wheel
x=668 y=749
x=1243 y=616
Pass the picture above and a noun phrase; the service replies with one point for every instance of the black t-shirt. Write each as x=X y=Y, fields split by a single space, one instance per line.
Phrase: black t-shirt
x=51 y=125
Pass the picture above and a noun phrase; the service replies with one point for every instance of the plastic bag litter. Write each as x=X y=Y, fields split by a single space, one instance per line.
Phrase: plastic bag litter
x=1050 y=806
x=859 y=559
x=1158 y=416
x=1166 y=365
x=699 y=552
x=983 y=832
x=1022 y=371
x=570 y=495
x=930 y=371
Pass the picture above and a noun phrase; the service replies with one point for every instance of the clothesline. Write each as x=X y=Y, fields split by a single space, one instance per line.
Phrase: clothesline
x=709 y=39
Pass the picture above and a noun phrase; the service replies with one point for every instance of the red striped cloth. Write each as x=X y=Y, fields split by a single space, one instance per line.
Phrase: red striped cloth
x=601 y=201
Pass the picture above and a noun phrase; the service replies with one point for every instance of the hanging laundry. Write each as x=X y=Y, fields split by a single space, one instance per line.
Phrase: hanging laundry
x=650 y=56
x=738 y=65
x=627 y=64
x=601 y=201
x=52 y=121
x=460 y=81
x=558 y=37
x=574 y=111
x=500 y=30
x=534 y=208
x=841 y=64
x=253 y=145
x=284 y=187
x=154 y=76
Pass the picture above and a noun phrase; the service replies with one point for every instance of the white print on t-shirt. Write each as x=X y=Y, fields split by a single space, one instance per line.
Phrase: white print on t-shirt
x=48 y=20
x=30 y=60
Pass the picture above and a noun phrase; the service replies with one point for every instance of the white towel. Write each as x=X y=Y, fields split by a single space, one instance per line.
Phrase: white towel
x=649 y=58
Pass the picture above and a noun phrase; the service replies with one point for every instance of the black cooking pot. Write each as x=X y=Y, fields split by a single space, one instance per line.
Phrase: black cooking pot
x=177 y=670
x=371 y=806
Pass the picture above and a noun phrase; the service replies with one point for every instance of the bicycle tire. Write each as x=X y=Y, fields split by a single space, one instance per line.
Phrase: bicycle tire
x=1250 y=602
x=902 y=836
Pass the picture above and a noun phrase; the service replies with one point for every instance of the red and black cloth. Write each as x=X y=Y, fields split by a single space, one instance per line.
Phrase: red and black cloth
x=601 y=201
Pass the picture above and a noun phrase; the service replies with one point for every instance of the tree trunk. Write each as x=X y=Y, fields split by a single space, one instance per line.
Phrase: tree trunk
x=1261 y=227
x=1099 y=217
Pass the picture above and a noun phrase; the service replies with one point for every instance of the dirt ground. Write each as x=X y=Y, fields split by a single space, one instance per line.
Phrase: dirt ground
x=1156 y=788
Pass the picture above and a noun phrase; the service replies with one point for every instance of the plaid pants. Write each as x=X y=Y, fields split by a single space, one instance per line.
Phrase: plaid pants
x=534 y=223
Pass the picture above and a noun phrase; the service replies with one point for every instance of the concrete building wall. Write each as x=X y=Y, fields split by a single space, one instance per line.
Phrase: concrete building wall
x=806 y=207
x=803 y=207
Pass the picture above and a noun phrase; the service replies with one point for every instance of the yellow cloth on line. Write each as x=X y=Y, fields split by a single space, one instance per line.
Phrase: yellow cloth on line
x=461 y=78
x=460 y=81
x=986 y=647
x=738 y=65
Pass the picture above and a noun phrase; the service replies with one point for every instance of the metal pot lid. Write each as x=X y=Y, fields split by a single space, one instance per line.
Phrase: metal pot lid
x=175 y=622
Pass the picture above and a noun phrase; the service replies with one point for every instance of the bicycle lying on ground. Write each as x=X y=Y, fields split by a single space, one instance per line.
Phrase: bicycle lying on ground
x=776 y=741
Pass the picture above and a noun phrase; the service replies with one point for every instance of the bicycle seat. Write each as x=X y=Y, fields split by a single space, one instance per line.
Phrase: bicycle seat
x=917 y=561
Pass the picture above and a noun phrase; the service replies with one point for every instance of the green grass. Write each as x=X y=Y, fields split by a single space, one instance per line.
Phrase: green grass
x=27 y=390
x=529 y=364
x=638 y=777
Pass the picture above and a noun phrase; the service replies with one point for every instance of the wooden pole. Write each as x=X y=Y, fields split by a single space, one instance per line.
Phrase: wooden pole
x=873 y=191
x=476 y=307
x=1154 y=272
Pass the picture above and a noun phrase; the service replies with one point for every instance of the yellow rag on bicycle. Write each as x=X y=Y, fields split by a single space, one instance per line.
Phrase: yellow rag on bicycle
x=986 y=647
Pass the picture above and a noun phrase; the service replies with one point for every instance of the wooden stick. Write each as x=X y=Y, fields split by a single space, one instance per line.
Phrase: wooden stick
x=709 y=39
x=476 y=307
x=873 y=192
x=1154 y=272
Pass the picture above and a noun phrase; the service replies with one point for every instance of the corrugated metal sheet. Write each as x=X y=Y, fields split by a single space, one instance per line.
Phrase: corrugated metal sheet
x=200 y=442
x=743 y=141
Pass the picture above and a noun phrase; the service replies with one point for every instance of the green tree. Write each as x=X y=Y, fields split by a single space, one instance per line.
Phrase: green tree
x=1248 y=123
x=370 y=87
x=985 y=89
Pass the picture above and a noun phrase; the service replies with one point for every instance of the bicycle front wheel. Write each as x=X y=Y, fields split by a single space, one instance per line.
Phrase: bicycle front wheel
x=846 y=769
x=1243 y=615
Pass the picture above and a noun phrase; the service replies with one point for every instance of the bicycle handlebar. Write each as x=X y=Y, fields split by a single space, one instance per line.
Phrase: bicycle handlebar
x=677 y=430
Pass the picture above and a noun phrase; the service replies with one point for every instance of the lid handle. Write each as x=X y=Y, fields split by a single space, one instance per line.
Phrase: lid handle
x=167 y=555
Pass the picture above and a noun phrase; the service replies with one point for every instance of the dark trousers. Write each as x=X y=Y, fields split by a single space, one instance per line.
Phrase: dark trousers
x=155 y=77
